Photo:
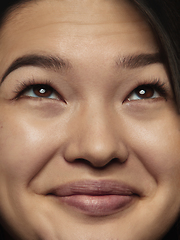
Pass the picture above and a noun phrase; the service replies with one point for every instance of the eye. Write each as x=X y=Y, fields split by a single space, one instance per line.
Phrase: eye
x=40 y=91
x=144 y=92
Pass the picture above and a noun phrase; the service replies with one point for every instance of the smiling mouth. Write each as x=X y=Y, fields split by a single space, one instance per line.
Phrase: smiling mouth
x=95 y=198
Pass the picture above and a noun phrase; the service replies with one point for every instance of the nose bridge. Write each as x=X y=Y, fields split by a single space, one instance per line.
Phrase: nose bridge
x=95 y=138
x=99 y=139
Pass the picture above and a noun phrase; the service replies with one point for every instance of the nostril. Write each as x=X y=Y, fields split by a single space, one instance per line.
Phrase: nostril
x=82 y=161
x=113 y=161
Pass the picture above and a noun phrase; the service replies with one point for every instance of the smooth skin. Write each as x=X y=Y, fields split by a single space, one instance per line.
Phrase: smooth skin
x=90 y=128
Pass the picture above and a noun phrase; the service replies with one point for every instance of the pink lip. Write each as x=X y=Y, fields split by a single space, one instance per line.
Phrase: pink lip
x=95 y=198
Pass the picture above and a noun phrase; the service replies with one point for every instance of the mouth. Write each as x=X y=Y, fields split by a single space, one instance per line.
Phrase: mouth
x=95 y=198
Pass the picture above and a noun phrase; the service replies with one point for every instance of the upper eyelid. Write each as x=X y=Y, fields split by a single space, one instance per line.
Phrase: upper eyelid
x=22 y=85
x=25 y=85
x=29 y=87
x=166 y=89
x=156 y=82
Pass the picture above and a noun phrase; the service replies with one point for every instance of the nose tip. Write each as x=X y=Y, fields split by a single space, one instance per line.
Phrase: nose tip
x=96 y=137
x=98 y=148
x=100 y=153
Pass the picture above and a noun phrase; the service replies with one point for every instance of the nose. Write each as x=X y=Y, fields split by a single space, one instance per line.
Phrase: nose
x=96 y=137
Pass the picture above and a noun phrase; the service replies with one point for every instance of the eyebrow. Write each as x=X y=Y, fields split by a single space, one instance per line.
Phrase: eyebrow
x=43 y=61
x=140 y=60
x=56 y=63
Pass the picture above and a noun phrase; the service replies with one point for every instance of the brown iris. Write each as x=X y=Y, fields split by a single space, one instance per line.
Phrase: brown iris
x=144 y=91
x=42 y=90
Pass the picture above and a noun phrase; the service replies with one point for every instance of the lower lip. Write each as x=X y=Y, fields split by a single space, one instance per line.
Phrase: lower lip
x=98 y=205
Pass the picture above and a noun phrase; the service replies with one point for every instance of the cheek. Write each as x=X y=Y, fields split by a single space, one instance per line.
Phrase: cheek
x=156 y=144
x=25 y=148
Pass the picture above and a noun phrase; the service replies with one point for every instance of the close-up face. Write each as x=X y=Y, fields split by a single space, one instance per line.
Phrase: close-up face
x=89 y=131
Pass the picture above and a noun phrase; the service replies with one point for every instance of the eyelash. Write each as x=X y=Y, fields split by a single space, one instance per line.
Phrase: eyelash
x=156 y=85
x=24 y=86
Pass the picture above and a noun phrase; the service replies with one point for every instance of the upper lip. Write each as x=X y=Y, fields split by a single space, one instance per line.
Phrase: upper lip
x=93 y=188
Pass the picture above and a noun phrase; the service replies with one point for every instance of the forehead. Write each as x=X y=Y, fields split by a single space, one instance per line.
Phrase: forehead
x=66 y=25
x=76 y=11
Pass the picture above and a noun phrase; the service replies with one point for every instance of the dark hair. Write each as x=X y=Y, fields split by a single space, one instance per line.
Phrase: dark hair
x=164 y=17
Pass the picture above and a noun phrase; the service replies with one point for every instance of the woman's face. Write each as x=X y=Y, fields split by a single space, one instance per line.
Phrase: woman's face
x=89 y=132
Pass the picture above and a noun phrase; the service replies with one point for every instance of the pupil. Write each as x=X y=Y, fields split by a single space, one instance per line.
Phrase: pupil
x=142 y=92
x=145 y=92
x=42 y=90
